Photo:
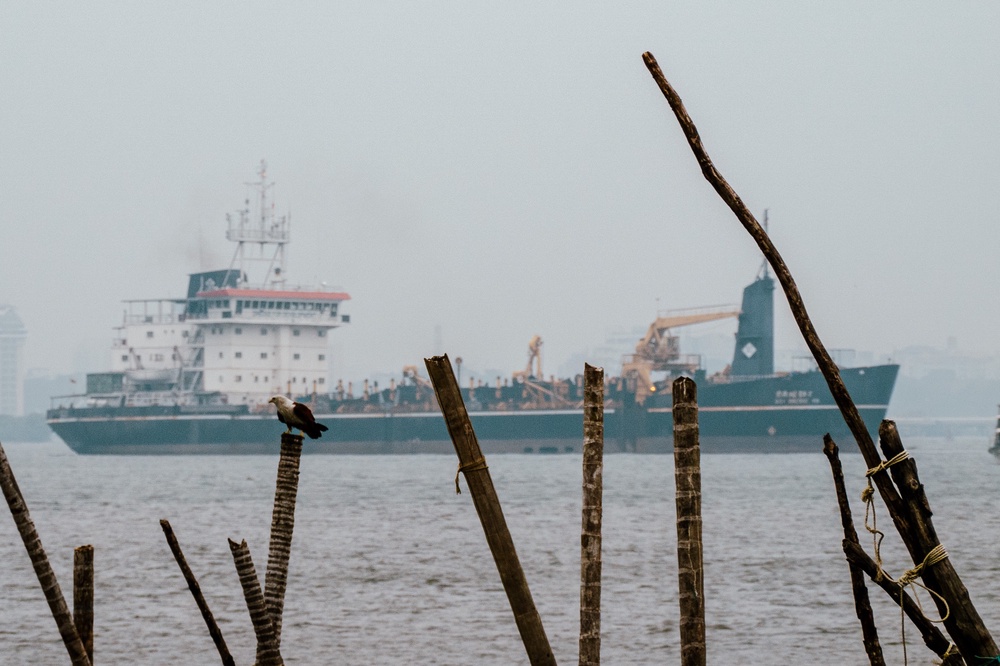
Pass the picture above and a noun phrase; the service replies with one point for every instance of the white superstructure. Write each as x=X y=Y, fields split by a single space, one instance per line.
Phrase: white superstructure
x=240 y=335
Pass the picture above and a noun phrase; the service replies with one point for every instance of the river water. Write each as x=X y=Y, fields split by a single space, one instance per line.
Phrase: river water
x=390 y=566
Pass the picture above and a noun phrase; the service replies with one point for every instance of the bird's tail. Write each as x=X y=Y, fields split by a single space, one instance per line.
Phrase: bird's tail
x=316 y=431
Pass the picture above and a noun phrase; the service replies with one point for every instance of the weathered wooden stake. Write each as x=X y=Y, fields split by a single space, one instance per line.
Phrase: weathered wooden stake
x=932 y=636
x=862 y=604
x=964 y=623
x=199 y=598
x=282 y=524
x=40 y=562
x=590 y=534
x=261 y=619
x=484 y=496
x=690 y=565
x=83 y=597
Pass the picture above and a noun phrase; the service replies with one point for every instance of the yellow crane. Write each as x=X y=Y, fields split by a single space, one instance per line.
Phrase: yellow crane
x=659 y=350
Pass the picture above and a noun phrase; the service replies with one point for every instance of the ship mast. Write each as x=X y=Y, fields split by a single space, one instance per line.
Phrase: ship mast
x=260 y=239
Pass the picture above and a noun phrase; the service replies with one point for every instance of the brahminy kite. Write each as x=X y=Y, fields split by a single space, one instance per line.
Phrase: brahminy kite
x=297 y=415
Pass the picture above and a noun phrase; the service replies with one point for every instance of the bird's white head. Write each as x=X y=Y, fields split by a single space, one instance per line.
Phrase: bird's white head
x=280 y=401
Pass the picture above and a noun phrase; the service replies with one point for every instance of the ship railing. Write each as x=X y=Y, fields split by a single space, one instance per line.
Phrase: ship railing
x=239 y=232
x=155 y=319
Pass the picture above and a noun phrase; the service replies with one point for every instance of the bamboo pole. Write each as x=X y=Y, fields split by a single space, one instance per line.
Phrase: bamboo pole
x=40 y=562
x=590 y=533
x=964 y=623
x=199 y=598
x=254 y=596
x=690 y=565
x=282 y=524
x=83 y=597
x=477 y=476
x=862 y=604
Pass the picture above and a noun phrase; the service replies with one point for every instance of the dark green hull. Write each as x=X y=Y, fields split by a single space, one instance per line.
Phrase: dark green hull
x=768 y=414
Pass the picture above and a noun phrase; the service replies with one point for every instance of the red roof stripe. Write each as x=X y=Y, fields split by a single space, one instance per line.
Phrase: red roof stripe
x=276 y=295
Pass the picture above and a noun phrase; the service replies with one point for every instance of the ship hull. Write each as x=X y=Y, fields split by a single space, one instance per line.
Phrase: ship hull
x=769 y=414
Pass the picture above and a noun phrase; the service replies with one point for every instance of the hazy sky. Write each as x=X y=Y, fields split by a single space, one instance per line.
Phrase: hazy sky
x=506 y=169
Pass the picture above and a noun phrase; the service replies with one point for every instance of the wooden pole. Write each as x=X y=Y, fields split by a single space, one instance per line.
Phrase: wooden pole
x=862 y=604
x=484 y=496
x=199 y=598
x=40 y=562
x=262 y=627
x=83 y=597
x=590 y=533
x=967 y=630
x=282 y=524
x=687 y=478
x=932 y=636
x=962 y=622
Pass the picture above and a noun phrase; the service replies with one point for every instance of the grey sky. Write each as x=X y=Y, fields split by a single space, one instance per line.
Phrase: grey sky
x=505 y=169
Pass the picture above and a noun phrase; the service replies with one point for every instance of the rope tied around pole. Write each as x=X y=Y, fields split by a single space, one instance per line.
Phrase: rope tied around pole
x=474 y=466
x=933 y=556
x=868 y=497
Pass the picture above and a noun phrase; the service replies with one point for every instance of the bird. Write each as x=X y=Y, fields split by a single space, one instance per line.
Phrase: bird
x=297 y=415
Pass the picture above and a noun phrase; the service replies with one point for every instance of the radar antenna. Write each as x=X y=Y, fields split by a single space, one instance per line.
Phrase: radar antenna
x=264 y=230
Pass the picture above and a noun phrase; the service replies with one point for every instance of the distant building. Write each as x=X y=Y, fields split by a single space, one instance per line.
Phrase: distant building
x=12 y=336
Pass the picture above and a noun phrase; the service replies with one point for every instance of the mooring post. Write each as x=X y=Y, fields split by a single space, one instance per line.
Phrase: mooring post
x=687 y=479
x=590 y=533
x=932 y=636
x=254 y=596
x=484 y=496
x=862 y=604
x=961 y=619
x=282 y=524
x=83 y=597
x=199 y=598
x=40 y=562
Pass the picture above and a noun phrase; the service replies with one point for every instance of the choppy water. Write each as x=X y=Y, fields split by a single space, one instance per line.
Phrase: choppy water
x=389 y=565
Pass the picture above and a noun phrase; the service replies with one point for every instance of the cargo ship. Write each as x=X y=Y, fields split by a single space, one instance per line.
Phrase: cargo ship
x=194 y=375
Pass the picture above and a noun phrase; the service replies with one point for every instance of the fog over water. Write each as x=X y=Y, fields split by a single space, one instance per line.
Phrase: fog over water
x=474 y=175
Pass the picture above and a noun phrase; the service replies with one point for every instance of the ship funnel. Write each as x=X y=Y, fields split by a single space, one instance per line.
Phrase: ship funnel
x=754 y=353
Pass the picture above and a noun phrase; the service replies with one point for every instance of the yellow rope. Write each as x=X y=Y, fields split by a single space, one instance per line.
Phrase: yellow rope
x=868 y=497
x=934 y=556
x=898 y=458
x=473 y=466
